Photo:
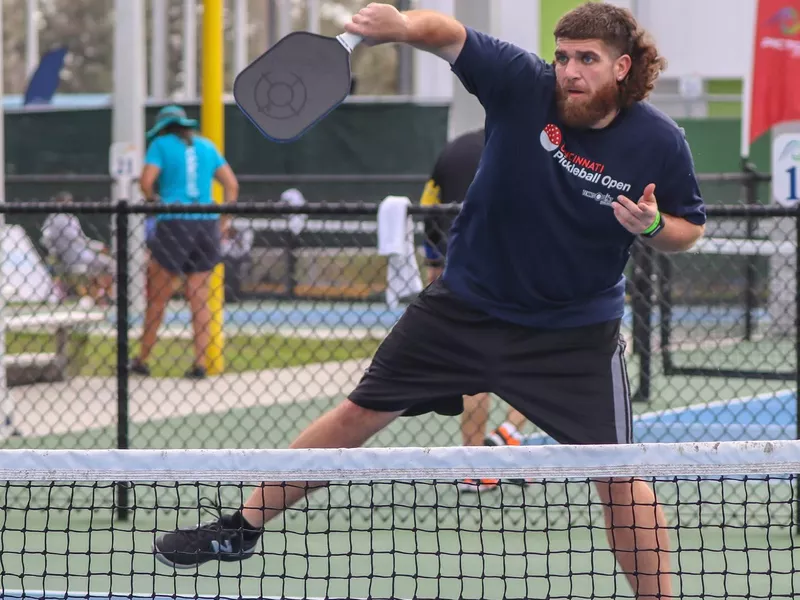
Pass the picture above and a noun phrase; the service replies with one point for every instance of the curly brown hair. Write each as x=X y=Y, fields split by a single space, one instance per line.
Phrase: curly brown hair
x=618 y=29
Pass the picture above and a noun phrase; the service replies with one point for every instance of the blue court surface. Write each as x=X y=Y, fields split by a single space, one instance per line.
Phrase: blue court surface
x=297 y=314
x=769 y=416
x=324 y=315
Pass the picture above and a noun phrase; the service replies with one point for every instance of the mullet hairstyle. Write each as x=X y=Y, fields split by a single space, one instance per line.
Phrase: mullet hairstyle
x=618 y=29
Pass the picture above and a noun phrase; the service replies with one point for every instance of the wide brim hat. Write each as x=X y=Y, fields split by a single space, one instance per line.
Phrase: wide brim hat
x=170 y=115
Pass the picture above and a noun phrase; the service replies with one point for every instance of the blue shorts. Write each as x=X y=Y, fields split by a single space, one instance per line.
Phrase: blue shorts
x=150 y=224
x=433 y=257
x=184 y=246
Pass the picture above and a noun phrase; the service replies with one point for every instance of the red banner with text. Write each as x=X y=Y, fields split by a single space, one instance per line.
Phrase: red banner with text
x=776 y=66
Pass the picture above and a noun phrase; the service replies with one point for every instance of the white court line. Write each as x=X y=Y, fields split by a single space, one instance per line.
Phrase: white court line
x=743 y=247
x=654 y=415
x=716 y=404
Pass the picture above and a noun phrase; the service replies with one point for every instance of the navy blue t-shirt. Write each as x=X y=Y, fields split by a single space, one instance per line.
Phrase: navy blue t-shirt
x=536 y=242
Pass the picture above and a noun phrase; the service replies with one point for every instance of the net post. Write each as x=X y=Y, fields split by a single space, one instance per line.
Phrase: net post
x=122 y=209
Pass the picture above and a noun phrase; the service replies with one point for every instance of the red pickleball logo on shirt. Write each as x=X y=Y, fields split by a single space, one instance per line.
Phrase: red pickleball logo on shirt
x=551 y=138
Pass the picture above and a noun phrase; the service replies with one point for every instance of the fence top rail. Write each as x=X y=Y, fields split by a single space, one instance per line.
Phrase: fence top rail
x=320 y=209
x=736 y=177
x=58 y=178
x=297 y=178
x=239 y=208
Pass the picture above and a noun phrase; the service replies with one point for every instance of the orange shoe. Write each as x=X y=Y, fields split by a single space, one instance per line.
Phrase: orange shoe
x=474 y=486
x=506 y=435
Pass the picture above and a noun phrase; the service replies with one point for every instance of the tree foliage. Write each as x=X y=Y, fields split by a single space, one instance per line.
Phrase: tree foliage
x=86 y=28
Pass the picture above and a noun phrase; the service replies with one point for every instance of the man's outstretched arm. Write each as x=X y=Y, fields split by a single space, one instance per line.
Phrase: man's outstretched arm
x=426 y=30
x=494 y=71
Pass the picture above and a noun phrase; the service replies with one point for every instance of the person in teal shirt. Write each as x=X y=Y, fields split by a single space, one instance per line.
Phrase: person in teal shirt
x=182 y=165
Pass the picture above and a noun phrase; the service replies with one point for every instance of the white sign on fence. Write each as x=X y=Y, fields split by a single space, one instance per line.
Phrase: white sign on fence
x=786 y=169
x=124 y=164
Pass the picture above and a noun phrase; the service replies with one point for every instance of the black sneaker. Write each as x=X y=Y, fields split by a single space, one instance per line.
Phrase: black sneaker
x=137 y=367
x=222 y=540
x=196 y=372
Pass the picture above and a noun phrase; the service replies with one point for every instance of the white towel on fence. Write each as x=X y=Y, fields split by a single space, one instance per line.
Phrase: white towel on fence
x=396 y=240
x=294 y=197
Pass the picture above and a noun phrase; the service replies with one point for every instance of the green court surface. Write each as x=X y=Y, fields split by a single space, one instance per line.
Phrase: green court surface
x=731 y=541
x=449 y=546
x=274 y=426
x=96 y=355
x=776 y=356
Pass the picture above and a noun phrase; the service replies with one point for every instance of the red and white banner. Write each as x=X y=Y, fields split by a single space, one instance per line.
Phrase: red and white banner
x=775 y=96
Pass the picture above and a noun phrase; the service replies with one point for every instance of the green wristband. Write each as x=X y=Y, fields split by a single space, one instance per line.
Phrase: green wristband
x=654 y=226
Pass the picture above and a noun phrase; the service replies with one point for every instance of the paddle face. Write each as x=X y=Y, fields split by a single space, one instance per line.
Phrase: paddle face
x=294 y=85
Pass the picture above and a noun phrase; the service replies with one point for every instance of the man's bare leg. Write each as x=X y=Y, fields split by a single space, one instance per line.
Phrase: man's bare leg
x=637 y=532
x=346 y=426
x=516 y=418
x=475 y=419
x=434 y=273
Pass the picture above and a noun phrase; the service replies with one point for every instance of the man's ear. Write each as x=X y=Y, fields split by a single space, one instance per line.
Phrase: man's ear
x=622 y=67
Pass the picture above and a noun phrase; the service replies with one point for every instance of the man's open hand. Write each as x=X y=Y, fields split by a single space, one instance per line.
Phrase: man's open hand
x=634 y=217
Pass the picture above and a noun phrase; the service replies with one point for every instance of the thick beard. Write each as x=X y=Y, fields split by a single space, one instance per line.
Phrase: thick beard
x=585 y=114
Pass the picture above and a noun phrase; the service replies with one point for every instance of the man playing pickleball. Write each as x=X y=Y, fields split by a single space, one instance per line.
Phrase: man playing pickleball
x=576 y=167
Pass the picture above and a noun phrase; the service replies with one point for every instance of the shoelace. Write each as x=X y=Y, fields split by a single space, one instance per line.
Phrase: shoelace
x=206 y=505
x=210 y=507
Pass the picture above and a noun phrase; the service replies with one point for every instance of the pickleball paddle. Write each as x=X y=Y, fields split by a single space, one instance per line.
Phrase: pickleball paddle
x=296 y=83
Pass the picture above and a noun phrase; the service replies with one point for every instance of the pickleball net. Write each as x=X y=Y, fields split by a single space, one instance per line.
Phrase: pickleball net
x=393 y=523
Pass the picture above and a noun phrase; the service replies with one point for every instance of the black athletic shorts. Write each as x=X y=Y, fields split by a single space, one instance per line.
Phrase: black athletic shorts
x=185 y=246
x=572 y=383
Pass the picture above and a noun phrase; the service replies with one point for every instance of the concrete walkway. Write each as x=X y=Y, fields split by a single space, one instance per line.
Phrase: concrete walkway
x=85 y=403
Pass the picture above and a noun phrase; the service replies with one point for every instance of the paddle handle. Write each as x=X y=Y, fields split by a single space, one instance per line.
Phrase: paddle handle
x=349 y=40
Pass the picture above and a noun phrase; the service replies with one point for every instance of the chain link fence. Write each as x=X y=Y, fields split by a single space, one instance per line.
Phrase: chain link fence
x=712 y=333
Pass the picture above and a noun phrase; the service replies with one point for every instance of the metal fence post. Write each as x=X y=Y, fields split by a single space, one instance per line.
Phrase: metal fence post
x=665 y=313
x=751 y=270
x=292 y=245
x=122 y=347
x=797 y=360
x=642 y=309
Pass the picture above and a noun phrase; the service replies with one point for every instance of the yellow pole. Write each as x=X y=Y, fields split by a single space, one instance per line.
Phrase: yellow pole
x=212 y=123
